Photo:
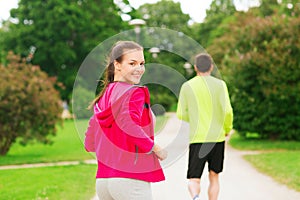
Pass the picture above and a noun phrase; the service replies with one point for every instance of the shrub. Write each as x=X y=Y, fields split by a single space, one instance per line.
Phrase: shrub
x=262 y=67
x=29 y=107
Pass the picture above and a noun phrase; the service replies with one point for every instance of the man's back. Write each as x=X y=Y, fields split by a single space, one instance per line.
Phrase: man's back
x=204 y=103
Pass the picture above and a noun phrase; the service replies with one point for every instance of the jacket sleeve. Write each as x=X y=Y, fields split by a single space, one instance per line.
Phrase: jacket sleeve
x=129 y=120
x=228 y=123
x=89 y=141
x=182 y=108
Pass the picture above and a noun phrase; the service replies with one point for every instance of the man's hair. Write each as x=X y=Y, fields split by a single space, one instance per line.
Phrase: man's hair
x=203 y=62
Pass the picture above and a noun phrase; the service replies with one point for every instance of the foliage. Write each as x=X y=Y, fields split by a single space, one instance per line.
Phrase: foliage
x=63 y=32
x=261 y=63
x=290 y=8
x=217 y=7
x=218 y=12
x=268 y=7
x=29 y=107
x=165 y=14
x=84 y=98
x=275 y=7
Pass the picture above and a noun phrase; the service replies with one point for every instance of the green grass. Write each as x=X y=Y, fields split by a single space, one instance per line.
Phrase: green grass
x=283 y=166
x=256 y=144
x=278 y=159
x=68 y=145
x=60 y=182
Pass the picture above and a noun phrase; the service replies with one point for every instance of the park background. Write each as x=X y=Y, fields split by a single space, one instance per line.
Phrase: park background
x=43 y=44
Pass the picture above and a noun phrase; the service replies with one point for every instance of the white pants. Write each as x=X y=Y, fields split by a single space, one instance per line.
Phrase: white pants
x=123 y=189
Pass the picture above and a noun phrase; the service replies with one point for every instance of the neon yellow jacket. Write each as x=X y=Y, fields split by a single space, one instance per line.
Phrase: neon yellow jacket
x=204 y=103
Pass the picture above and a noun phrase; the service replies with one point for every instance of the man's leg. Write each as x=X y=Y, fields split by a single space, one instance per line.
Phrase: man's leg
x=194 y=186
x=215 y=166
x=214 y=187
x=195 y=169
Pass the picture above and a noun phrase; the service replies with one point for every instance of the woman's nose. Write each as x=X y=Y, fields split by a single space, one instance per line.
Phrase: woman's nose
x=140 y=68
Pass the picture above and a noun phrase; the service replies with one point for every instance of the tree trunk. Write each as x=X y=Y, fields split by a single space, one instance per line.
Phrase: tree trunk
x=5 y=145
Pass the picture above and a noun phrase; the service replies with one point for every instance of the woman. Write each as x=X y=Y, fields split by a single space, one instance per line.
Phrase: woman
x=121 y=131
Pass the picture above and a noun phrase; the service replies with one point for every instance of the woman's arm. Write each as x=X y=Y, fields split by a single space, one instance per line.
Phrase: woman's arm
x=89 y=141
x=129 y=120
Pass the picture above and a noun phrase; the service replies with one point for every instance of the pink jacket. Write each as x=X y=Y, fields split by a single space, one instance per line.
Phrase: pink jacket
x=121 y=132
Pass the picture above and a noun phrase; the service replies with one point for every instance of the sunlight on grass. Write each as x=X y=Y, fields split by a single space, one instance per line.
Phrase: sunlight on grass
x=283 y=166
x=67 y=145
x=278 y=159
x=253 y=143
x=61 y=182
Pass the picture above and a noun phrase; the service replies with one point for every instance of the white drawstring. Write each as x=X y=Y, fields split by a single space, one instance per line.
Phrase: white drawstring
x=98 y=107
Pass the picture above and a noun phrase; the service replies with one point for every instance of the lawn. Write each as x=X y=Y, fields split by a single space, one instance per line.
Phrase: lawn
x=60 y=182
x=67 y=145
x=278 y=159
x=256 y=144
x=283 y=166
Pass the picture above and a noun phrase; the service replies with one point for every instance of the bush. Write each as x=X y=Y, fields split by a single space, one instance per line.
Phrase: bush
x=29 y=107
x=262 y=67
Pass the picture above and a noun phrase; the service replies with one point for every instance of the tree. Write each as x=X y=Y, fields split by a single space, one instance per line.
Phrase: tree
x=29 y=107
x=268 y=7
x=165 y=14
x=289 y=7
x=63 y=32
x=280 y=7
x=261 y=64
x=219 y=11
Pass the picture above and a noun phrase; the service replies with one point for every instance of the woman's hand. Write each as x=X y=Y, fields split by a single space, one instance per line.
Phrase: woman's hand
x=159 y=152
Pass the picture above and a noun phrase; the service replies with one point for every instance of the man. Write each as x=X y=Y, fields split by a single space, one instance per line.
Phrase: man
x=204 y=103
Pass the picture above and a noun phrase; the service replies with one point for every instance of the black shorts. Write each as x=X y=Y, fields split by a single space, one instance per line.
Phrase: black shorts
x=200 y=153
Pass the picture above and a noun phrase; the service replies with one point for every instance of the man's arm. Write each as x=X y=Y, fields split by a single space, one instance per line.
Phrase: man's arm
x=228 y=124
x=182 y=106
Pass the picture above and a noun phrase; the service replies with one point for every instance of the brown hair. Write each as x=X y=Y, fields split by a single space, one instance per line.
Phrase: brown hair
x=116 y=54
x=203 y=62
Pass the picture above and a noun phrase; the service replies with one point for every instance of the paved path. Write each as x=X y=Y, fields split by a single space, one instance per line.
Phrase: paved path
x=35 y=165
x=239 y=181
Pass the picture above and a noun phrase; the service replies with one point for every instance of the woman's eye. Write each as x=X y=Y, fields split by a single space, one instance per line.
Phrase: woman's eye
x=133 y=64
x=137 y=64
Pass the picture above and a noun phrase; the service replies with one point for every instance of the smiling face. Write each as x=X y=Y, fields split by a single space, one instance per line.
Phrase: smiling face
x=131 y=68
